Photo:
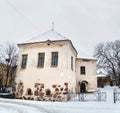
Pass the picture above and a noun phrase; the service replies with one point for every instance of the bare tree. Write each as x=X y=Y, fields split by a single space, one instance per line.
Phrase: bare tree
x=8 y=57
x=108 y=55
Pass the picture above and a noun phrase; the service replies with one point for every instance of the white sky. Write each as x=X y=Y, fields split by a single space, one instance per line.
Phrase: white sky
x=85 y=22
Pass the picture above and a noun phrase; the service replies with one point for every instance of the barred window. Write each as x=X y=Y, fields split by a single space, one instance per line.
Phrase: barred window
x=24 y=61
x=54 y=60
x=82 y=70
x=41 y=57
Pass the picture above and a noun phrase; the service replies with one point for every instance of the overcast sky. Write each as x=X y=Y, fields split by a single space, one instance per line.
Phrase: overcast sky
x=85 y=22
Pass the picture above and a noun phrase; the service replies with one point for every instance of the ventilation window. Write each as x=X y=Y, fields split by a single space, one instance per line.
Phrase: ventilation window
x=29 y=91
x=48 y=92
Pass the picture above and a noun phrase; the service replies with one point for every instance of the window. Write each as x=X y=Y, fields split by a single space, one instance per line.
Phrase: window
x=48 y=92
x=82 y=70
x=72 y=63
x=24 y=61
x=54 y=61
x=29 y=91
x=41 y=57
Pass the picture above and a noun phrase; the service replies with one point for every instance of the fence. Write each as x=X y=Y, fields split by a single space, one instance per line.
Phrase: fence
x=116 y=96
x=97 y=96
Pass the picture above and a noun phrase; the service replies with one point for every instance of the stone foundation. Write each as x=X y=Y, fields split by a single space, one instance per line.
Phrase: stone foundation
x=40 y=92
x=19 y=90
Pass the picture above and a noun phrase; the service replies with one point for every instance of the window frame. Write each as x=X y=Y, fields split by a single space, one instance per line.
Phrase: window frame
x=82 y=70
x=24 y=61
x=41 y=60
x=71 y=62
x=54 y=59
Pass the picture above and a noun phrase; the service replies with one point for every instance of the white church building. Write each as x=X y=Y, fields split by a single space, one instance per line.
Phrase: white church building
x=49 y=69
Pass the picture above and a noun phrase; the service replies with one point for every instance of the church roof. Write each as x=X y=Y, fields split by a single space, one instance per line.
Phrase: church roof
x=50 y=35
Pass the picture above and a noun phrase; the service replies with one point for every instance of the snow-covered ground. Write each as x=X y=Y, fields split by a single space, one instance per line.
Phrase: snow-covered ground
x=25 y=106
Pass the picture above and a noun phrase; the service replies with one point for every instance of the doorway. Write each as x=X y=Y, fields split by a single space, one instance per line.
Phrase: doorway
x=82 y=87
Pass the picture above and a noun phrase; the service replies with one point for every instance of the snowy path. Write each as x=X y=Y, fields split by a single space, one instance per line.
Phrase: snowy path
x=27 y=106
x=11 y=106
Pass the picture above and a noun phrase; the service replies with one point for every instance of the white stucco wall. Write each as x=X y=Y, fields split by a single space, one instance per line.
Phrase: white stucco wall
x=90 y=76
x=47 y=75
x=59 y=75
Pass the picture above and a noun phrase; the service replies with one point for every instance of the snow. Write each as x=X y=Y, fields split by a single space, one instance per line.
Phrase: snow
x=101 y=75
x=84 y=55
x=27 y=106
x=55 y=36
x=50 y=35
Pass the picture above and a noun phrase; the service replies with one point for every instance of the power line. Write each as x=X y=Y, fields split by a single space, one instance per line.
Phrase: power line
x=21 y=14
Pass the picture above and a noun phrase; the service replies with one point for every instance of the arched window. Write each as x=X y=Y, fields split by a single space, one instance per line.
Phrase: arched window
x=48 y=92
x=29 y=91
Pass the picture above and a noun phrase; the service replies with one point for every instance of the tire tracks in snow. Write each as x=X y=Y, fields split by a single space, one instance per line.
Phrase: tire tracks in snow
x=20 y=107
x=16 y=106
x=9 y=108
